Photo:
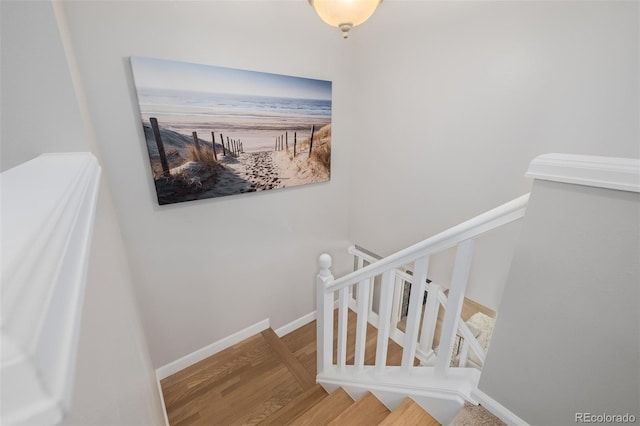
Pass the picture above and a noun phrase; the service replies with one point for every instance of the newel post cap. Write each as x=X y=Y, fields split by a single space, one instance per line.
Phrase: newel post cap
x=324 y=261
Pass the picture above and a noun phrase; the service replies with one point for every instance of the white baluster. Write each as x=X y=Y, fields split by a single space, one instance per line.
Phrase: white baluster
x=361 y=322
x=358 y=263
x=418 y=281
x=324 y=319
x=430 y=318
x=371 y=292
x=461 y=268
x=384 y=319
x=396 y=307
x=464 y=353
x=343 y=315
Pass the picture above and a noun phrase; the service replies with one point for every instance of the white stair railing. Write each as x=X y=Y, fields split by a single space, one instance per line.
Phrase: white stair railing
x=354 y=291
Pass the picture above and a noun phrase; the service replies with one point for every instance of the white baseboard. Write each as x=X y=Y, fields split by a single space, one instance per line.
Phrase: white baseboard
x=296 y=324
x=202 y=353
x=300 y=322
x=497 y=409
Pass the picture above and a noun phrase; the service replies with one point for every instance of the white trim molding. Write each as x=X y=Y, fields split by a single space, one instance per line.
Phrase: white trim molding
x=603 y=172
x=47 y=208
x=296 y=324
x=212 y=349
x=497 y=409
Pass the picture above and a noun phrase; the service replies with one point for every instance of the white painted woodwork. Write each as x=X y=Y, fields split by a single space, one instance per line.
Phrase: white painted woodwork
x=384 y=319
x=464 y=354
x=364 y=287
x=48 y=208
x=418 y=282
x=430 y=317
x=343 y=315
x=324 y=338
x=471 y=341
x=502 y=215
x=461 y=268
x=396 y=304
x=601 y=172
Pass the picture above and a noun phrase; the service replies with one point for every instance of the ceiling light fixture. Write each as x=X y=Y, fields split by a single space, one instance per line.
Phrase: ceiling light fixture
x=344 y=14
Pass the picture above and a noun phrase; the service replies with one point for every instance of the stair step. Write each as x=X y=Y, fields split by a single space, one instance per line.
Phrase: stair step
x=296 y=406
x=326 y=410
x=409 y=413
x=366 y=411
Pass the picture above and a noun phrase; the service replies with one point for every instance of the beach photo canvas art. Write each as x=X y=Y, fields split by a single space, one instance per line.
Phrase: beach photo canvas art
x=212 y=131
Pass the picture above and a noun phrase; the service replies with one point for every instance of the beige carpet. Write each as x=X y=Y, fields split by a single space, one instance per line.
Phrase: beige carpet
x=475 y=415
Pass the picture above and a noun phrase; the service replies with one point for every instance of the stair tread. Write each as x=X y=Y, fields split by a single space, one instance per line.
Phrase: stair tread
x=367 y=410
x=296 y=406
x=409 y=413
x=326 y=410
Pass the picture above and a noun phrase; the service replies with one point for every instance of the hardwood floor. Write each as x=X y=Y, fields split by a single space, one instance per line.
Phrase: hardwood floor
x=267 y=380
x=241 y=385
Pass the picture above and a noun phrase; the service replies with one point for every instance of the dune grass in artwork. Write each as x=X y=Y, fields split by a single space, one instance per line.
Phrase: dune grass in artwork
x=213 y=131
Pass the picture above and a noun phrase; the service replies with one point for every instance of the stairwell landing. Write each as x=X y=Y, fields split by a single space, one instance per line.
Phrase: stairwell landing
x=267 y=380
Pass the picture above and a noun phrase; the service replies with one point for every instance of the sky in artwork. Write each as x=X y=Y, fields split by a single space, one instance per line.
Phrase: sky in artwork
x=174 y=75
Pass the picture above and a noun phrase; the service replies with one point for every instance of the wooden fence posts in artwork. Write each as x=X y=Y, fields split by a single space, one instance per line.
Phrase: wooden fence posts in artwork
x=196 y=143
x=233 y=147
x=163 y=155
x=313 y=129
x=213 y=146
x=282 y=142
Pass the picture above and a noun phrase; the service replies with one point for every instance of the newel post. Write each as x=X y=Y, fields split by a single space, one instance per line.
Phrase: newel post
x=324 y=320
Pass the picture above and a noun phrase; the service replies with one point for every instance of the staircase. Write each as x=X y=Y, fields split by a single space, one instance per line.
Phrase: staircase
x=374 y=373
x=269 y=380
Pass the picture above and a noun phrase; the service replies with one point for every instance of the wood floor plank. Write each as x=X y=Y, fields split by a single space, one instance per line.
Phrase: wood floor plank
x=366 y=411
x=302 y=343
x=266 y=392
x=408 y=413
x=324 y=411
x=229 y=362
x=243 y=350
x=234 y=387
x=297 y=369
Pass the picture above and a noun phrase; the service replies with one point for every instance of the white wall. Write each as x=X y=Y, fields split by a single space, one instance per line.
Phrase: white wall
x=39 y=110
x=206 y=269
x=115 y=382
x=456 y=98
x=568 y=334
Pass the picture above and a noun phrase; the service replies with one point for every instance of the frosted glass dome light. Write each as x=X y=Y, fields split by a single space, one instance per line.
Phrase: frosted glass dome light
x=344 y=14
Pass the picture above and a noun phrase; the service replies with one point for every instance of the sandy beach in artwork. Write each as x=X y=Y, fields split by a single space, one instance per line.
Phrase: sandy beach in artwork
x=192 y=177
